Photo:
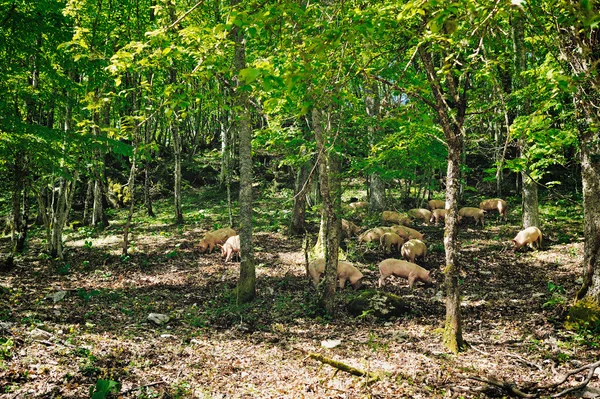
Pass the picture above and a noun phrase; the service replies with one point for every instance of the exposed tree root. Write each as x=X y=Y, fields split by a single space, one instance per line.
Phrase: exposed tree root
x=512 y=389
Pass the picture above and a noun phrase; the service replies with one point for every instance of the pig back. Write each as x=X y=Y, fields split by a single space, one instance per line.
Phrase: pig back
x=222 y=235
x=420 y=213
x=436 y=204
x=470 y=211
x=406 y=232
x=234 y=242
x=395 y=217
x=493 y=204
x=402 y=268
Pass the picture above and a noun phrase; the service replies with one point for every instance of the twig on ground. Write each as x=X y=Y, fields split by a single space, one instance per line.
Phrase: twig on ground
x=527 y=362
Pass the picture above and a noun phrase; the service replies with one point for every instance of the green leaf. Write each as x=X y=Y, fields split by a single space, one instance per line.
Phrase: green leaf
x=249 y=75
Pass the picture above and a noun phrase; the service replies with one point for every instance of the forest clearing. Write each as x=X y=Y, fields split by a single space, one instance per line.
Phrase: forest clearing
x=282 y=198
x=513 y=306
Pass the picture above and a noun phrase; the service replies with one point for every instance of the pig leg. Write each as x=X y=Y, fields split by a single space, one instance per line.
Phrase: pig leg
x=342 y=283
x=383 y=277
x=411 y=279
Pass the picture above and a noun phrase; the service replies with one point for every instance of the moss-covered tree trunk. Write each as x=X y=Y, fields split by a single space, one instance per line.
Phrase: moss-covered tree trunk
x=330 y=184
x=451 y=118
x=590 y=173
x=247 y=283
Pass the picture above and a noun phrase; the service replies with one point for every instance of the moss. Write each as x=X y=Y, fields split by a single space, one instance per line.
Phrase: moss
x=585 y=314
x=379 y=304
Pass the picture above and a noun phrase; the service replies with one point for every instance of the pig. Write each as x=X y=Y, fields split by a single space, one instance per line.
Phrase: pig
x=231 y=247
x=395 y=217
x=349 y=228
x=438 y=214
x=373 y=234
x=212 y=238
x=413 y=249
x=436 y=204
x=475 y=213
x=406 y=232
x=529 y=236
x=389 y=240
x=402 y=268
x=419 y=213
x=345 y=271
x=495 y=204
x=358 y=205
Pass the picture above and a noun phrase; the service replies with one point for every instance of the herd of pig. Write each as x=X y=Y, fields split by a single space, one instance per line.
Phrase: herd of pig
x=399 y=238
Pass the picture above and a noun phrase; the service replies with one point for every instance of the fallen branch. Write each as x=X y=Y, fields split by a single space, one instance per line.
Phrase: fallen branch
x=372 y=377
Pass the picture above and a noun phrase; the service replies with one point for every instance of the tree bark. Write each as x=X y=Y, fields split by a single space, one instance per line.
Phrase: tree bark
x=590 y=173
x=131 y=185
x=147 y=196
x=301 y=185
x=246 y=291
x=529 y=186
x=376 y=184
x=331 y=196
x=452 y=121
x=177 y=172
x=18 y=233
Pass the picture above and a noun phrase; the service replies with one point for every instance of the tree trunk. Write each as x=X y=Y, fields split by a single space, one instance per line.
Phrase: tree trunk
x=147 y=196
x=590 y=173
x=453 y=327
x=61 y=209
x=331 y=196
x=530 y=191
x=131 y=185
x=301 y=185
x=89 y=193
x=247 y=283
x=452 y=121
x=177 y=172
x=376 y=185
x=377 y=191
x=99 y=217
x=226 y=162
x=18 y=233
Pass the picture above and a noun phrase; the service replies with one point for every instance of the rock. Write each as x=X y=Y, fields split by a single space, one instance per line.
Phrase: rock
x=331 y=343
x=379 y=304
x=58 y=296
x=40 y=335
x=158 y=318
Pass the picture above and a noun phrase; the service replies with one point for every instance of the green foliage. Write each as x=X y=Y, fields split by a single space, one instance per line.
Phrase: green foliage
x=6 y=346
x=583 y=316
x=104 y=388
x=557 y=297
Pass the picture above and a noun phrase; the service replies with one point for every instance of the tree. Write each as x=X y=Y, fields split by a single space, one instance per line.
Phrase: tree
x=330 y=230
x=246 y=290
x=575 y=26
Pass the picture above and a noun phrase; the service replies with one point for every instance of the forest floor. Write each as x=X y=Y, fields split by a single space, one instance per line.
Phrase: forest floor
x=513 y=307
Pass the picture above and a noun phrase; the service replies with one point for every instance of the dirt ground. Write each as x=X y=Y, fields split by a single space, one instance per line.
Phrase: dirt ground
x=512 y=320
